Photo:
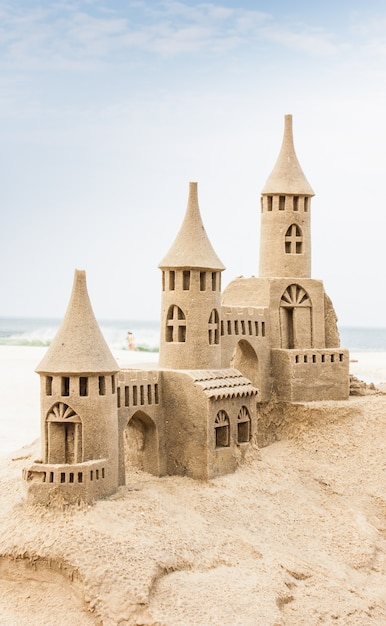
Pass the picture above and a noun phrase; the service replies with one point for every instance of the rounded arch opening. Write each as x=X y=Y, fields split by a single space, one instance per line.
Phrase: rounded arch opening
x=141 y=444
x=245 y=360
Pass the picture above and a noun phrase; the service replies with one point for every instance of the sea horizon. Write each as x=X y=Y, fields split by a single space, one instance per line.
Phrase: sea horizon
x=40 y=331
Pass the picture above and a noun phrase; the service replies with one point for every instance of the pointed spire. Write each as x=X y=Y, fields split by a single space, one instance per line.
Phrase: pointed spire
x=79 y=346
x=191 y=247
x=287 y=176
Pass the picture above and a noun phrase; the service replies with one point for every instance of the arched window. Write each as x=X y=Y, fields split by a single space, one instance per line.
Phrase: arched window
x=175 y=324
x=63 y=435
x=295 y=318
x=221 y=427
x=214 y=328
x=294 y=240
x=243 y=425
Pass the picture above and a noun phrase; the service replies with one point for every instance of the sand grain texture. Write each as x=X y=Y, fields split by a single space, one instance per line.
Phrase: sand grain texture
x=296 y=536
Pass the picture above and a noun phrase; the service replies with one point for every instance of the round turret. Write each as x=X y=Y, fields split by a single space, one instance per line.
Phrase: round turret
x=285 y=237
x=191 y=296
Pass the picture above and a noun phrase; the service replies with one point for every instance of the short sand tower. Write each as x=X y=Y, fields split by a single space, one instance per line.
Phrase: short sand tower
x=78 y=410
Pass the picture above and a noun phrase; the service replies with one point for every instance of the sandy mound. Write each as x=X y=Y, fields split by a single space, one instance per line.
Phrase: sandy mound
x=295 y=537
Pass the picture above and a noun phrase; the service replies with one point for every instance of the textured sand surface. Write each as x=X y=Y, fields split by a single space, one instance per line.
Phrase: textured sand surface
x=296 y=536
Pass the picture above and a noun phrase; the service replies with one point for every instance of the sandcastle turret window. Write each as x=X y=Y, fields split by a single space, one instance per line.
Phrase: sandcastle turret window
x=175 y=325
x=186 y=280
x=102 y=385
x=172 y=280
x=269 y=202
x=202 y=281
x=306 y=203
x=296 y=203
x=221 y=427
x=65 y=386
x=243 y=425
x=213 y=330
x=48 y=385
x=214 y=281
x=83 y=386
x=281 y=203
x=294 y=240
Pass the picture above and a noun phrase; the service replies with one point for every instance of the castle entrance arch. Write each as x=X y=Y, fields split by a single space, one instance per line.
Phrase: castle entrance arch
x=141 y=444
x=63 y=435
x=245 y=360
x=295 y=318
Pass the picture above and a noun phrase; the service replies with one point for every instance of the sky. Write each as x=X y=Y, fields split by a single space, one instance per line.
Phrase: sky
x=108 y=108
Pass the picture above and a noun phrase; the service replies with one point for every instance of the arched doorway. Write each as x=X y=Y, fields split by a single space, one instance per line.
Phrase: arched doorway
x=63 y=435
x=141 y=444
x=245 y=360
x=295 y=318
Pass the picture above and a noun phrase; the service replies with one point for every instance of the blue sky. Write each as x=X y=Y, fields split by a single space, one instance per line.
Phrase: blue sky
x=108 y=108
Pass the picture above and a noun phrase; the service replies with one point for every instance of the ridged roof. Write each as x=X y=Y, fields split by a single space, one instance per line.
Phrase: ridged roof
x=287 y=176
x=191 y=247
x=79 y=346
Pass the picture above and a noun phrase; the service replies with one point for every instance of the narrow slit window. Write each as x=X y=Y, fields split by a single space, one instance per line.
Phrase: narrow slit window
x=186 y=280
x=163 y=280
x=202 y=281
x=103 y=472
x=135 y=395
x=269 y=203
x=214 y=281
x=83 y=386
x=71 y=477
x=257 y=329
x=229 y=327
x=65 y=386
x=306 y=204
x=113 y=384
x=119 y=397
x=222 y=328
x=172 y=280
x=250 y=327
x=149 y=398
x=62 y=477
x=142 y=394
x=127 y=395
x=281 y=203
x=242 y=327
x=80 y=477
x=49 y=385
x=263 y=329
x=296 y=203
x=236 y=327
x=156 y=393
x=102 y=385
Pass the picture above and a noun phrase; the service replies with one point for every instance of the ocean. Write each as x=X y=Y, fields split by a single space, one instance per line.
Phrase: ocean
x=40 y=332
x=25 y=331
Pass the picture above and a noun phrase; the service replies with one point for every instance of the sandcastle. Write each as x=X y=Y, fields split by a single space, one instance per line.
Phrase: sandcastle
x=224 y=356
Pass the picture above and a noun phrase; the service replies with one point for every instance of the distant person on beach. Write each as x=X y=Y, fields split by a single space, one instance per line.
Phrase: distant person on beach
x=130 y=340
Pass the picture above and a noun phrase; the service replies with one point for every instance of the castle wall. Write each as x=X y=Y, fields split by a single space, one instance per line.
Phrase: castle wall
x=245 y=345
x=310 y=375
x=225 y=459
x=139 y=395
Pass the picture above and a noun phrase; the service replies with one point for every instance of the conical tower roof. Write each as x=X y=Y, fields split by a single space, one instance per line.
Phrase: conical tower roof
x=191 y=247
x=79 y=346
x=287 y=176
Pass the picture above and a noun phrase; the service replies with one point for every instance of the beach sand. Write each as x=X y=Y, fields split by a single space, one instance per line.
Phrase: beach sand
x=297 y=536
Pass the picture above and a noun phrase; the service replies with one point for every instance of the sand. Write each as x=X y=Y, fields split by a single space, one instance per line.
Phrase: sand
x=297 y=536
